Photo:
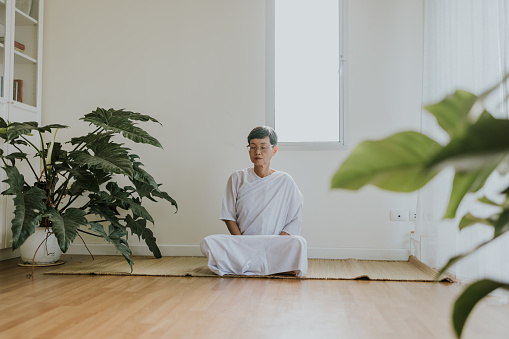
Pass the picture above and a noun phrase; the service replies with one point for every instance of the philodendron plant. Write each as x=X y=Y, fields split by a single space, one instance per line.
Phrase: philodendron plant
x=87 y=168
x=406 y=161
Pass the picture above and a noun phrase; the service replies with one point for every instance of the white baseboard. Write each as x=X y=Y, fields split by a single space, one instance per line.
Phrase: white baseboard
x=194 y=250
x=166 y=250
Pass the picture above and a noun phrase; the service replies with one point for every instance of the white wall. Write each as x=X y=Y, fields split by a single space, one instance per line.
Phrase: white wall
x=198 y=66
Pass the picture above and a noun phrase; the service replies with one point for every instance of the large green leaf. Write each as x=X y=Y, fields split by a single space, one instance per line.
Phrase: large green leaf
x=119 y=121
x=147 y=191
x=469 y=220
x=57 y=153
x=90 y=137
x=143 y=190
x=145 y=184
x=468 y=182
x=485 y=200
x=484 y=142
x=66 y=226
x=98 y=228
x=469 y=298
x=108 y=156
x=397 y=163
x=81 y=185
x=122 y=198
x=101 y=177
x=12 y=157
x=18 y=142
x=452 y=112
x=122 y=113
x=116 y=237
x=502 y=224
x=136 y=116
x=164 y=195
x=139 y=227
x=28 y=206
x=48 y=128
x=103 y=210
x=85 y=180
x=140 y=174
x=16 y=129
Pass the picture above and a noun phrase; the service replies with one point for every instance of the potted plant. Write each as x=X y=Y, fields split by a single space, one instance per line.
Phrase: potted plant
x=406 y=161
x=78 y=188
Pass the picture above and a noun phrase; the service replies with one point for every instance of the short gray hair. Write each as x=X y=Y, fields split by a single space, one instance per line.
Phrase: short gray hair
x=262 y=132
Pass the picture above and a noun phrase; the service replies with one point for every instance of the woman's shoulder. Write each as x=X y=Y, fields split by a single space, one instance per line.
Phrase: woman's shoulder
x=283 y=176
x=243 y=175
x=279 y=173
x=242 y=172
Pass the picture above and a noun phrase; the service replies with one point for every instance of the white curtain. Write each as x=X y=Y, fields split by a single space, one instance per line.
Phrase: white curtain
x=466 y=46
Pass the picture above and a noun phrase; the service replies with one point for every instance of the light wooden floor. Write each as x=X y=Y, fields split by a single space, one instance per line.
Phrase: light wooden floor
x=163 y=307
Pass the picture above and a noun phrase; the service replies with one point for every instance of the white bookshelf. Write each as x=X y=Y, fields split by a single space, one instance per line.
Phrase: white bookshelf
x=23 y=19
x=23 y=58
x=24 y=26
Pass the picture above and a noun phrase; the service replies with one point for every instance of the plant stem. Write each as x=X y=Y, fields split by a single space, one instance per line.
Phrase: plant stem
x=84 y=243
x=37 y=250
x=29 y=164
x=61 y=192
x=71 y=200
x=31 y=144
x=41 y=154
x=80 y=144
x=89 y=233
x=43 y=158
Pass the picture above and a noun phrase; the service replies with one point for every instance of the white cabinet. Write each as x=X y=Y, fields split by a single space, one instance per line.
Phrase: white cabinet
x=20 y=79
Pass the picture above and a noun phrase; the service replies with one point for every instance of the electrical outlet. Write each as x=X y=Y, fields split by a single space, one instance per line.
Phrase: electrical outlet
x=399 y=215
x=412 y=215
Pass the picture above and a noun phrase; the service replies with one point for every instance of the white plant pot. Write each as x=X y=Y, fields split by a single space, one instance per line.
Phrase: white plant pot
x=49 y=252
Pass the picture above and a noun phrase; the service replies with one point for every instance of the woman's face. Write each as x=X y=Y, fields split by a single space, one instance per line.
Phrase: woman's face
x=261 y=151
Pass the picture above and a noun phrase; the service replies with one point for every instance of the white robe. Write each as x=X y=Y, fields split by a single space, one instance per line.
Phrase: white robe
x=262 y=208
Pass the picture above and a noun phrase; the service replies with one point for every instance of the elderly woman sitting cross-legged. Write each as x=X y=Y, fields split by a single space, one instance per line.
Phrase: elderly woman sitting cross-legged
x=262 y=209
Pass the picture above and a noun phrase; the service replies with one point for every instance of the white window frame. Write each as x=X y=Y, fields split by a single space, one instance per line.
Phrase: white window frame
x=343 y=82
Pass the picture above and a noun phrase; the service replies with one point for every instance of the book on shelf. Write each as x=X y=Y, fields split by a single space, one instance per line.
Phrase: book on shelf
x=19 y=45
x=17 y=90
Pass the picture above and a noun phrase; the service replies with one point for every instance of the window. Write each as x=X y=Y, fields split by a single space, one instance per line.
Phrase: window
x=306 y=72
